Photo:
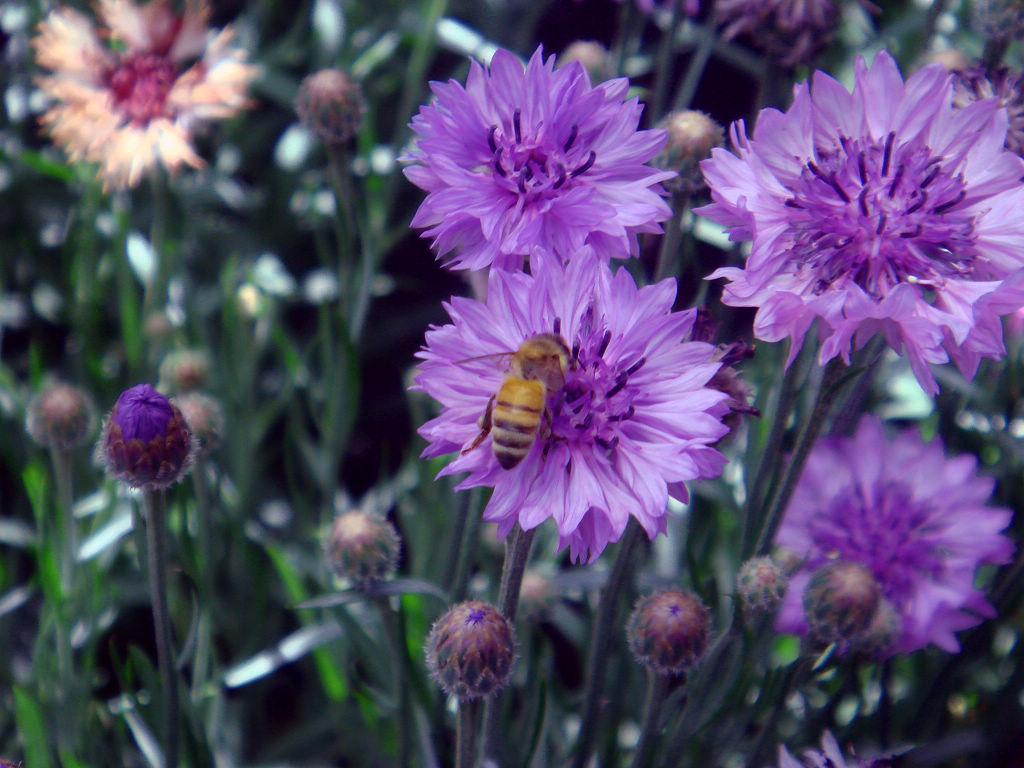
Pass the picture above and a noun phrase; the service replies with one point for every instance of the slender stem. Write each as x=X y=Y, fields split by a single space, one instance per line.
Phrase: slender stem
x=204 y=532
x=668 y=255
x=156 y=544
x=666 y=47
x=465 y=749
x=995 y=49
x=796 y=676
x=695 y=71
x=66 y=500
x=460 y=580
x=399 y=657
x=657 y=687
x=517 y=553
x=768 y=464
x=884 y=703
x=808 y=436
x=600 y=640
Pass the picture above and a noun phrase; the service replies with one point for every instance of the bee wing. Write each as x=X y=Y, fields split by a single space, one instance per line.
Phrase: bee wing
x=498 y=357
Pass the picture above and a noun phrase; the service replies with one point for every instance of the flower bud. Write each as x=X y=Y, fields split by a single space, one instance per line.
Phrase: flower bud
x=146 y=442
x=205 y=420
x=331 y=105
x=184 y=369
x=840 y=602
x=691 y=137
x=998 y=19
x=535 y=592
x=471 y=650
x=668 y=630
x=362 y=547
x=60 y=416
x=761 y=585
x=594 y=57
x=882 y=634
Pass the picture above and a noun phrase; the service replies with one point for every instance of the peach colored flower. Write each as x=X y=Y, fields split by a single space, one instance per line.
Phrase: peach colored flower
x=133 y=104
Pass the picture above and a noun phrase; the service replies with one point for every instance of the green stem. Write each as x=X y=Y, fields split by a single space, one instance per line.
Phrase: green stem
x=204 y=532
x=768 y=464
x=657 y=687
x=399 y=657
x=666 y=47
x=68 y=534
x=830 y=385
x=796 y=676
x=459 y=585
x=695 y=71
x=466 y=734
x=156 y=545
x=668 y=255
x=517 y=553
x=600 y=640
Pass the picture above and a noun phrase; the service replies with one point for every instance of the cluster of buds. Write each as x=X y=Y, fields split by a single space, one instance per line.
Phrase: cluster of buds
x=668 y=630
x=362 y=547
x=471 y=650
x=60 y=416
x=146 y=442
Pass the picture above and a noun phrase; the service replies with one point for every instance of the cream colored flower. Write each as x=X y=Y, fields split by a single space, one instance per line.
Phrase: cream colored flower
x=133 y=105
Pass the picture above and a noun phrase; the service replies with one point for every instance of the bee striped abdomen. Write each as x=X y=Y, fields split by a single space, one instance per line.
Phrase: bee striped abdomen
x=515 y=419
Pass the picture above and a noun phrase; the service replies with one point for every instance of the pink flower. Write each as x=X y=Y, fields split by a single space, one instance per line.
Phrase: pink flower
x=132 y=107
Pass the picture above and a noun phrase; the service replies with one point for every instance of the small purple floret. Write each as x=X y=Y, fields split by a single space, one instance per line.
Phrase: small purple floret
x=142 y=413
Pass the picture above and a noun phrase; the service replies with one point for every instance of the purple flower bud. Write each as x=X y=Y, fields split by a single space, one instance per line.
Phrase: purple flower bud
x=362 y=547
x=146 y=442
x=471 y=650
x=668 y=630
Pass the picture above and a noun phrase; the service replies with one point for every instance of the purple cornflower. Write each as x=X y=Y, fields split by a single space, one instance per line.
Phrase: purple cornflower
x=529 y=158
x=632 y=421
x=914 y=518
x=146 y=442
x=881 y=211
x=830 y=756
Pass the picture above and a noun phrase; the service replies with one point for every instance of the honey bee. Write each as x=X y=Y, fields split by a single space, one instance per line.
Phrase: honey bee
x=514 y=415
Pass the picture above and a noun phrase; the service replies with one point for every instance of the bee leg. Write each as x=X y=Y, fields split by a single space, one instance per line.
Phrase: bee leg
x=545 y=432
x=484 y=422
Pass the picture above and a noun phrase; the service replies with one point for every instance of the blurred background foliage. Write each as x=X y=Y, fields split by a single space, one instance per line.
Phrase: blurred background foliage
x=319 y=421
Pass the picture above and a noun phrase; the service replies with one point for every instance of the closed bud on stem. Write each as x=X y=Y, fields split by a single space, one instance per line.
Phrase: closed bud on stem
x=668 y=630
x=840 y=601
x=146 y=442
x=761 y=585
x=471 y=650
x=691 y=137
x=594 y=57
x=331 y=105
x=362 y=547
x=885 y=629
x=60 y=416
x=184 y=370
x=205 y=419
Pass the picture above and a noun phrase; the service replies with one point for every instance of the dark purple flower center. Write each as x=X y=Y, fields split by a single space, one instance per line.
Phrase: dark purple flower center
x=140 y=84
x=537 y=164
x=884 y=528
x=596 y=399
x=475 y=617
x=880 y=213
x=142 y=413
